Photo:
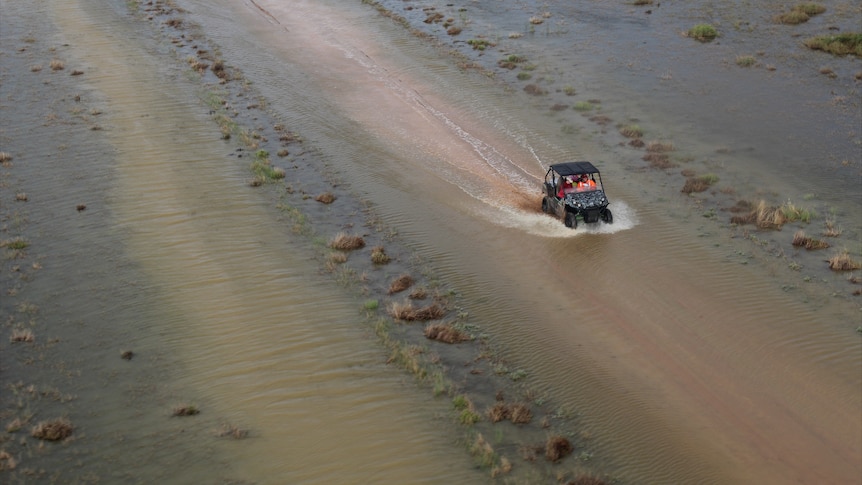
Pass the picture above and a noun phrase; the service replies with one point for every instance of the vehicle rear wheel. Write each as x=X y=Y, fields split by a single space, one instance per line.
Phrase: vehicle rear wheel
x=545 y=207
x=607 y=216
x=571 y=220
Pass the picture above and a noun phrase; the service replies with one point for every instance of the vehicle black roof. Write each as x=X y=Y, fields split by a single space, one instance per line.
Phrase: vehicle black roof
x=574 y=168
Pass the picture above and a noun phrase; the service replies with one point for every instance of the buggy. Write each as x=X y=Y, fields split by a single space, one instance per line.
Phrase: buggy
x=574 y=191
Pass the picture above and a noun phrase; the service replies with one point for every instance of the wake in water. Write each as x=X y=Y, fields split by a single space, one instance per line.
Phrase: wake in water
x=540 y=224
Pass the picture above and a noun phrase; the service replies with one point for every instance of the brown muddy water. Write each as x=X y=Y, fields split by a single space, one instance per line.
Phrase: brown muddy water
x=685 y=350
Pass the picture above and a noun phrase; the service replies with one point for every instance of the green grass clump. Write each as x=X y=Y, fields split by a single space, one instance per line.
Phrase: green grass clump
x=468 y=417
x=17 y=243
x=480 y=44
x=632 y=131
x=524 y=76
x=371 y=305
x=745 y=61
x=583 y=106
x=263 y=169
x=838 y=45
x=810 y=8
x=460 y=402
x=702 y=32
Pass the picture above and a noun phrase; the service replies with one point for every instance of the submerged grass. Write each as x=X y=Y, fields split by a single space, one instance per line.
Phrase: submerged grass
x=839 y=44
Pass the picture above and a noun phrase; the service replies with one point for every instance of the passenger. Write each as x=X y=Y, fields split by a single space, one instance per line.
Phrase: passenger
x=566 y=187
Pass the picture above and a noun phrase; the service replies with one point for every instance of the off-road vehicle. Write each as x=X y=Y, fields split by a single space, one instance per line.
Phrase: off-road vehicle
x=574 y=191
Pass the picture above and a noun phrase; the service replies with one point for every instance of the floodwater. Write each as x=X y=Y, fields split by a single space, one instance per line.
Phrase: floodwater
x=684 y=363
x=679 y=354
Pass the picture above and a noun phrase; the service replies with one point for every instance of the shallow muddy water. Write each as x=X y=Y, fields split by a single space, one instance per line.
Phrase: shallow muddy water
x=683 y=362
x=671 y=346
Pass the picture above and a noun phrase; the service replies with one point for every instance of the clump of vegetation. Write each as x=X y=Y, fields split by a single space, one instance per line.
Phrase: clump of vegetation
x=659 y=147
x=745 y=61
x=520 y=413
x=801 y=240
x=53 y=430
x=408 y=312
x=699 y=184
x=185 y=410
x=569 y=90
x=839 y=44
x=483 y=452
x=800 y=13
x=445 y=332
x=702 y=33
x=511 y=61
x=842 y=261
x=453 y=30
x=346 y=242
x=326 y=198
x=766 y=216
x=642 y=2
x=22 y=335
x=524 y=76
x=631 y=131
x=17 y=243
x=499 y=412
x=557 y=448
x=263 y=168
x=535 y=90
x=379 y=256
x=831 y=229
x=583 y=106
x=231 y=431
x=400 y=283
x=127 y=355
x=57 y=65
x=5 y=157
x=658 y=160
x=559 y=107
x=480 y=44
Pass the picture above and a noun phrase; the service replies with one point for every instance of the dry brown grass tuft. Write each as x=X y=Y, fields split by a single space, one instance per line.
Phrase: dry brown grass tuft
x=445 y=332
x=801 y=240
x=418 y=294
x=326 y=198
x=763 y=215
x=535 y=90
x=21 y=335
x=557 y=448
x=336 y=258
x=843 y=262
x=185 y=410
x=347 y=242
x=231 y=431
x=400 y=283
x=127 y=355
x=659 y=160
x=57 y=65
x=408 y=312
x=831 y=229
x=659 y=147
x=379 y=256
x=453 y=30
x=520 y=413
x=53 y=430
x=693 y=184
x=631 y=131
x=499 y=412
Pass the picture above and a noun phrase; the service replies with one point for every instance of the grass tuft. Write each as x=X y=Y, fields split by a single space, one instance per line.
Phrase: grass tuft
x=702 y=33
x=53 y=430
x=842 y=261
x=409 y=312
x=400 y=283
x=185 y=410
x=346 y=242
x=325 y=198
x=445 y=332
x=801 y=240
x=379 y=256
x=838 y=45
x=22 y=335
x=632 y=131
x=557 y=448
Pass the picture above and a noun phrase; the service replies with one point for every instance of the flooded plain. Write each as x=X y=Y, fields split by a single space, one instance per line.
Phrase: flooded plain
x=683 y=350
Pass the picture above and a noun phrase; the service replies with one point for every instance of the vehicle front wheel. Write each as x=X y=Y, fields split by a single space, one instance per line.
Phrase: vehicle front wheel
x=571 y=220
x=607 y=216
x=545 y=207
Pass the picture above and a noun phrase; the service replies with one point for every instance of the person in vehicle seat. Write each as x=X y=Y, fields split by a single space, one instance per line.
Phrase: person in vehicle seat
x=566 y=187
x=586 y=183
